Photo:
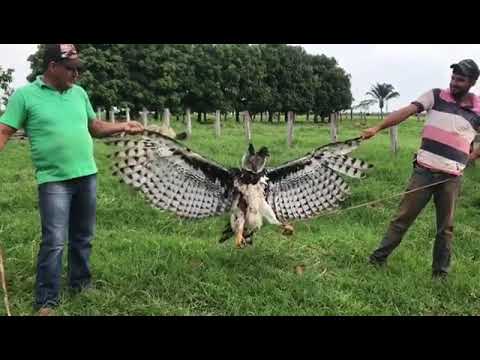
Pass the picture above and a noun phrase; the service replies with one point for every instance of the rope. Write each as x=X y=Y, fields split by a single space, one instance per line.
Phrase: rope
x=383 y=199
x=4 y=284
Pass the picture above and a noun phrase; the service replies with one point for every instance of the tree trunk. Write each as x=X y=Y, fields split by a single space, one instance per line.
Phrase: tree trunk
x=261 y=116
x=315 y=118
x=270 y=116
x=308 y=115
x=199 y=117
x=237 y=116
x=205 y=117
x=286 y=116
x=224 y=116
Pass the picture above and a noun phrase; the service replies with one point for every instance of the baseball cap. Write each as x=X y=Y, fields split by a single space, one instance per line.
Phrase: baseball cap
x=467 y=68
x=65 y=53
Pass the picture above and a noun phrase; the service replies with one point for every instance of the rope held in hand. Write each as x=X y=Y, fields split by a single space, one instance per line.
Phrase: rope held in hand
x=383 y=199
x=4 y=283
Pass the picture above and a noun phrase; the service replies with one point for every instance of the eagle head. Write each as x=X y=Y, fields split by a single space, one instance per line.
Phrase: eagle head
x=255 y=161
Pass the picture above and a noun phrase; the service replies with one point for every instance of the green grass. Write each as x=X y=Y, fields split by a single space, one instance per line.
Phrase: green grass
x=146 y=262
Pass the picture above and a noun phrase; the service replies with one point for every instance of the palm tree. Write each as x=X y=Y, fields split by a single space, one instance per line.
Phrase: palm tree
x=382 y=93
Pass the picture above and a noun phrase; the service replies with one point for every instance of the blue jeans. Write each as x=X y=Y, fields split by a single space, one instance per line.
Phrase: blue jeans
x=66 y=207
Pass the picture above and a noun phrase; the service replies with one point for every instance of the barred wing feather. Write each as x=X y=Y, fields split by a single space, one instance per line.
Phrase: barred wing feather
x=171 y=176
x=310 y=185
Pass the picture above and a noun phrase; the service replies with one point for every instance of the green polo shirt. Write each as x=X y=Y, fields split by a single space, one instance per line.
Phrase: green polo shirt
x=57 y=127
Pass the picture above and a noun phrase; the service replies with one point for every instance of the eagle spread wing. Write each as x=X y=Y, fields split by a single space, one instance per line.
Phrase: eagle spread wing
x=305 y=187
x=171 y=176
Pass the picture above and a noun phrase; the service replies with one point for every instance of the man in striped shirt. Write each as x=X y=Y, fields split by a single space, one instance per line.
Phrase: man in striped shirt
x=453 y=118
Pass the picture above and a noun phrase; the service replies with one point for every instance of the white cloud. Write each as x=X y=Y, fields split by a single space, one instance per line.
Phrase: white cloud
x=411 y=68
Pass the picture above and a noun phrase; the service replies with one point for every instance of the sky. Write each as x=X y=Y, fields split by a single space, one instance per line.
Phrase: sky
x=411 y=68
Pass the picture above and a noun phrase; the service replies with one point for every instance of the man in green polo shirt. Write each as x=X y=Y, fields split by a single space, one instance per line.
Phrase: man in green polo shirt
x=59 y=121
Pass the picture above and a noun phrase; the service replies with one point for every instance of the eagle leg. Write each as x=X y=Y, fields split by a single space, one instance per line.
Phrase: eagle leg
x=227 y=233
x=287 y=229
x=239 y=239
x=237 y=221
x=249 y=237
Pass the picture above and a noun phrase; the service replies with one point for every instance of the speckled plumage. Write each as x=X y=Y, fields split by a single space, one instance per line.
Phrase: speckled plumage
x=176 y=179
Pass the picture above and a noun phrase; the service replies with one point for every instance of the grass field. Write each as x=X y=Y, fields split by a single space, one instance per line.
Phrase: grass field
x=150 y=263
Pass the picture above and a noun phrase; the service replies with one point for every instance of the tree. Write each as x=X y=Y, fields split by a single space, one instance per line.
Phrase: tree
x=294 y=80
x=270 y=55
x=244 y=78
x=209 y=77
x=6 y=79
x=382 y=93
x=331 y=87
x=36 y=63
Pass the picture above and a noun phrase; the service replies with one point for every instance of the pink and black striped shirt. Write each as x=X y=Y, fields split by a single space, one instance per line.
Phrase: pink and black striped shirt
x=449 y=130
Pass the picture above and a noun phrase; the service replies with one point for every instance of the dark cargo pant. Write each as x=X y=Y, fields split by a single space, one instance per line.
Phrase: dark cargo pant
x=444 y=196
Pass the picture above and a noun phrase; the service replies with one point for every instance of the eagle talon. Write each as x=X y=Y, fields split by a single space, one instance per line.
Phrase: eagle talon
x=287 y=229
x=241 y=245
x=240 y=242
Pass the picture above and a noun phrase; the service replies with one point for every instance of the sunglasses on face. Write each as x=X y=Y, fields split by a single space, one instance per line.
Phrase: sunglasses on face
x=71 y=68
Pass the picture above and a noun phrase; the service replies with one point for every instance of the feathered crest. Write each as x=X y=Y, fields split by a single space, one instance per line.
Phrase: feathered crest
x=255 y=162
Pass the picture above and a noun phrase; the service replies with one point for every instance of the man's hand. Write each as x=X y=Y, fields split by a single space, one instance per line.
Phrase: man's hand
x=369 y=133
x=393 y=119
x=6 y=133
x=473 y=156
x=133 y=127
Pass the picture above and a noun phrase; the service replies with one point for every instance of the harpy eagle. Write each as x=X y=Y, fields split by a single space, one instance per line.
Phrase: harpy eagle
x=177 y=179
